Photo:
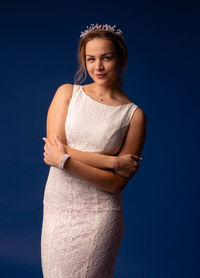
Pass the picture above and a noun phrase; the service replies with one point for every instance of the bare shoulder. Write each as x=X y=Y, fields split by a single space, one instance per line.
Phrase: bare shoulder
x=64 y=92
x=136 y=135
x=139 y=117
x=57 y=112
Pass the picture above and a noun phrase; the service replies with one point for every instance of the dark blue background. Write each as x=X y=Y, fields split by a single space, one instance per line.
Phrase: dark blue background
x=161 y=204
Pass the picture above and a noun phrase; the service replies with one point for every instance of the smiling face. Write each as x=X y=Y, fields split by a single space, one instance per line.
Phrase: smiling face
x=102 y=62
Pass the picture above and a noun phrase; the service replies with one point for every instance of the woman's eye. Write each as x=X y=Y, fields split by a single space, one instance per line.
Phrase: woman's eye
x=90 y=59
x=107 y=58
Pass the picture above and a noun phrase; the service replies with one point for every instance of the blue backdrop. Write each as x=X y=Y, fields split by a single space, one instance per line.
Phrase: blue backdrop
x=161 y=204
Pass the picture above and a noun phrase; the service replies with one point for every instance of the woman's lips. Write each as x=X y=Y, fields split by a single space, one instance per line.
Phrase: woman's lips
x=100 y=75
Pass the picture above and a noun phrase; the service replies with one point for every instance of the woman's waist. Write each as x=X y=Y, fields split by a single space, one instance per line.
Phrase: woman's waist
x=64 y=189
x=74 y=197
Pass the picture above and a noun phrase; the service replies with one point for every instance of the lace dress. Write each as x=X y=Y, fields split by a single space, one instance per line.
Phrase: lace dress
x=82 y=225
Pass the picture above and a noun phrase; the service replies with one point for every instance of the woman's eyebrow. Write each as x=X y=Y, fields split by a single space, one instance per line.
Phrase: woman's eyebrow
x=101 y=55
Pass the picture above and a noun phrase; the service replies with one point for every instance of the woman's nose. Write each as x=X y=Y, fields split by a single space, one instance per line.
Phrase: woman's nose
x=99 y=65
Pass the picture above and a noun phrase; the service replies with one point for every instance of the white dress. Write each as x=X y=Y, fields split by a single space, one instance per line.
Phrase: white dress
x=82 y=225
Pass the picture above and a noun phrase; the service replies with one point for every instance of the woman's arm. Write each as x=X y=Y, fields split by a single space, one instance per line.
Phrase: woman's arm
x=133 y=144
x=55 y=124
x=97 y=160
x=124 y=164
x=56 y=116
x=103 y=179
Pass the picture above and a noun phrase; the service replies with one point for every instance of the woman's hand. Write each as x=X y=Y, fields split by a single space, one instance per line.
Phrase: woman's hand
x=127 y=165
x=53 y=154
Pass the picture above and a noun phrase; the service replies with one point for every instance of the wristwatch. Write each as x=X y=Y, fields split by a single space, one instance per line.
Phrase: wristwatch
x=62 y=161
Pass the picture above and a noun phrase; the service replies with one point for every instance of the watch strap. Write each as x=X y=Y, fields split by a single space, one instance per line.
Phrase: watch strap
x=62 y=161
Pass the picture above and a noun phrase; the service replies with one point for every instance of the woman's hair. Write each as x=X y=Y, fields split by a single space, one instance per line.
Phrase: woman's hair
x=119 y=44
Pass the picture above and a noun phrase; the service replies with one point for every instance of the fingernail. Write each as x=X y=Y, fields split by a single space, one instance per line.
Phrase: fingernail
x=55 y=135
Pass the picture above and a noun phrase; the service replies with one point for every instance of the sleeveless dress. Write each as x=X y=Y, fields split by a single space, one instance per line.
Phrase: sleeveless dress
x=83 y=226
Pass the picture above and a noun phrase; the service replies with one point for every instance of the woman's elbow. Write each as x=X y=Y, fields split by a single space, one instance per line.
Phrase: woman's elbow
x=119 y=184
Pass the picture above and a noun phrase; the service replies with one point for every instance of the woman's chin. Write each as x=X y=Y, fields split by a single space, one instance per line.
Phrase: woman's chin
x=103 y=81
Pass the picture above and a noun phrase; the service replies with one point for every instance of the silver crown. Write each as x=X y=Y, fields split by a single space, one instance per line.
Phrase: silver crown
x=104 y=27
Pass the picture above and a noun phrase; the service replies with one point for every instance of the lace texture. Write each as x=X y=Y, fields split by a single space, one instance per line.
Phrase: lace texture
x=82 y=225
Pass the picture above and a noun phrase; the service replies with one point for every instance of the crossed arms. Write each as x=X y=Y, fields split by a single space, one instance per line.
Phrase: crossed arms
x=109 y=173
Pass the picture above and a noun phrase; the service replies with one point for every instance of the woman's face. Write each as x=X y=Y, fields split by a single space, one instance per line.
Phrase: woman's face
x=102 y=61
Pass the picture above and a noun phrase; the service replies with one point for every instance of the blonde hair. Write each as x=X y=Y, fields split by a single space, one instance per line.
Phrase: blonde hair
x=119 y=44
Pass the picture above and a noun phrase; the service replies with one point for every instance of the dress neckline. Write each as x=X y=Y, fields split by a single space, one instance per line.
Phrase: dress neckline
x=122 y=105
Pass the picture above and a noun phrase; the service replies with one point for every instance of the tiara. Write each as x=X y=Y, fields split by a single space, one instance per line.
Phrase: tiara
x=99 y=27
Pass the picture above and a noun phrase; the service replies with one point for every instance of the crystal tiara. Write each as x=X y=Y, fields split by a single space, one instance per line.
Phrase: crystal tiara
x=104 y=27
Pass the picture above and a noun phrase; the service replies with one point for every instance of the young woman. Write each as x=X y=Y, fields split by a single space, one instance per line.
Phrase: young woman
x=100 y=137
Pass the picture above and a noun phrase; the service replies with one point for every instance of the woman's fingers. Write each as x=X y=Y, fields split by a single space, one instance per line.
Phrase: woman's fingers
x=57 y=139
x=137 y=157
x=135 y=163
x=47 y=142
x=45 y=147
x=129 y=165
x=134 y=169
